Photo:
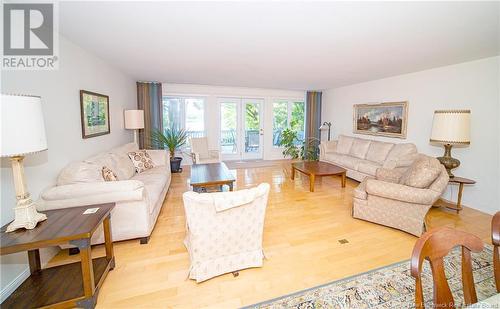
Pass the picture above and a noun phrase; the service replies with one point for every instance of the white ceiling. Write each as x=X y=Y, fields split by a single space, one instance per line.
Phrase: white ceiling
x=288 y=45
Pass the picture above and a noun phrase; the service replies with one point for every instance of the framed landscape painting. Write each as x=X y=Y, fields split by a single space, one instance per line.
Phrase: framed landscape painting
x=384 y=119
x=94 y=108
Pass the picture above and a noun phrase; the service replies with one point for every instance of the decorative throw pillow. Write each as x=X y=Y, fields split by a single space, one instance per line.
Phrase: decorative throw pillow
x=108 y=174
x=421 y=173
x=141 y=159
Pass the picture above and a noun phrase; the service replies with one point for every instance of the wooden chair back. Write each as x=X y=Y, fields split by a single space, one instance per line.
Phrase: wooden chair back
x=495 y=239
x=434 y=245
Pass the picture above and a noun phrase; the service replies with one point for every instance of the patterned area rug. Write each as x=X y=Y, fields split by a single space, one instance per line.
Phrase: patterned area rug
x=390 y=286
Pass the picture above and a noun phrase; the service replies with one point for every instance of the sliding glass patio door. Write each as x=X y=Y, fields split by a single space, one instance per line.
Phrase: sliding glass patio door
x=241 y=128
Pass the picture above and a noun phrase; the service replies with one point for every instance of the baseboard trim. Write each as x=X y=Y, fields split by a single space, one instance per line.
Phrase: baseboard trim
x=14 y=284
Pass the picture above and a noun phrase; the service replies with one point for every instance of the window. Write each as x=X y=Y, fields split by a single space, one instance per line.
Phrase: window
x=186 y=113
x=288 y=114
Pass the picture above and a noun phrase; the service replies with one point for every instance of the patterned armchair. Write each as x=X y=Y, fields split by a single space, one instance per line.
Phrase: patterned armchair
x=224 y=231
x=200 y=152
x=400 y=198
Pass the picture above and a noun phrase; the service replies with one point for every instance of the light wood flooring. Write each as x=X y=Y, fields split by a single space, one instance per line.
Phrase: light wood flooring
x=301 y=241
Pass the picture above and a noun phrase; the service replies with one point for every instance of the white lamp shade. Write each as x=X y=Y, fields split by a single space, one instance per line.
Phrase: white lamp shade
x=134 y=119
x=451 y=127
x=23 y=128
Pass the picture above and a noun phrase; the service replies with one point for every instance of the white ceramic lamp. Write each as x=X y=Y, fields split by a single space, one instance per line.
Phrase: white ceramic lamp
x=134 y=120
x=450 y=127
x=23 y=133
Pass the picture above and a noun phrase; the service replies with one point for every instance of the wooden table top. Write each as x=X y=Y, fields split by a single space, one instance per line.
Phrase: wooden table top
x=318 y=168
x=61 y=226
x=466 y=181
x=210 y=174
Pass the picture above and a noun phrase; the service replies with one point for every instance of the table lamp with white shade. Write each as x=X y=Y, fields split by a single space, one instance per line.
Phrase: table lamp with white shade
x=134 y=120
x=23 y=133
x=450 y=127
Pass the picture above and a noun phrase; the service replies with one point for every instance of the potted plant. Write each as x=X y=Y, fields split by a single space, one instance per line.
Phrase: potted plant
x=171 y=139
x=294 y=147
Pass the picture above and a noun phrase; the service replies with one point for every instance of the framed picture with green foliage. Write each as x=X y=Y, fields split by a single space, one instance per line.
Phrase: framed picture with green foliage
x=94 y=108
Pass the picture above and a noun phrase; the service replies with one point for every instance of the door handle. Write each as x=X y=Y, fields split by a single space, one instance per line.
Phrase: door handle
x=261 y=132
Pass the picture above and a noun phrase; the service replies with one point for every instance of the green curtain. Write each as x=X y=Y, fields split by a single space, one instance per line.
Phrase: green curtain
x=149 y=99
x=313 y=115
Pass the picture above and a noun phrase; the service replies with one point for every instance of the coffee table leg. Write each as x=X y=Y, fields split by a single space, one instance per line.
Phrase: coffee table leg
x=343 y=180
x=293 y=173
x=311 y=182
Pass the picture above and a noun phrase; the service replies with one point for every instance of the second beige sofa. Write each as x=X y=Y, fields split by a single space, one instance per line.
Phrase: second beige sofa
x=362 y=157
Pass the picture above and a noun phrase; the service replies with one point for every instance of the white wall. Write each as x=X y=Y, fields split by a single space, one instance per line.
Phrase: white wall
x=211 y=93
x=61 y=107
x=471 y=85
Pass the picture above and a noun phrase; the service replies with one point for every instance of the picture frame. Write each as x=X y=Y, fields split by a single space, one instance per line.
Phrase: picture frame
x=94 y=110
x=389 y=119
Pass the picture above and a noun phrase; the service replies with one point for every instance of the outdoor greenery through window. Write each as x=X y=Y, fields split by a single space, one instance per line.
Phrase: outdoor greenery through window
x=288 y=114
x=186 y=113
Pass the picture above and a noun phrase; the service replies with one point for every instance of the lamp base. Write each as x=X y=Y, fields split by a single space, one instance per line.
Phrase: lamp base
x=448 y=161
x=26 y=215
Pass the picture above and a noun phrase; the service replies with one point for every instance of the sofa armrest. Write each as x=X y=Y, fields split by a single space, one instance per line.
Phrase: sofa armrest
x=81 y=194
x=389 y=175
x=159 y=156
x=400 y=192
x=328 y=146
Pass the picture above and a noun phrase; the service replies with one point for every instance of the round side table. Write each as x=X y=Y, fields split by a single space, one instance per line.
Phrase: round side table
x=461 y=181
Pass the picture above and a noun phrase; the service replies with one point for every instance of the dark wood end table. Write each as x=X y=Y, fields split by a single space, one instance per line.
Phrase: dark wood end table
x=318 y=168
x=59 y=286
x=461 y=181
x=211 y=174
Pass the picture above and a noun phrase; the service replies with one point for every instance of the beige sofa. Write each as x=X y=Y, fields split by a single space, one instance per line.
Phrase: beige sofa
x=138 y=197
x=362 y=157
x=400 y=198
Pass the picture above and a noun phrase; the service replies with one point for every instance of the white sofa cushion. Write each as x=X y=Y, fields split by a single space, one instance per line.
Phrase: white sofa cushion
x=421 y=173
x=344 y=144
x=124 y=168
x=102 y=159
x=351 y=162
x=334 y=157
x=80 y=172
x=85 y=189
x=154 y=181
x=369 y=167
x=401 y=155
x=359 y=148
x=378 y=151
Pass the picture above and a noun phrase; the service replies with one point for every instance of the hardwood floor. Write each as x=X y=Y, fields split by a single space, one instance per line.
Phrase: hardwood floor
x=301 y=242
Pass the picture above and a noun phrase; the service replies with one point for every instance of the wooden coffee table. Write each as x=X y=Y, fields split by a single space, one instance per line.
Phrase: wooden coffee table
x=318 y=168
x=211 y=174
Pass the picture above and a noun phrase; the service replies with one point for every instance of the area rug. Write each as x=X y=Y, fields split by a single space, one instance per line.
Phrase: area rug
x=390 y=286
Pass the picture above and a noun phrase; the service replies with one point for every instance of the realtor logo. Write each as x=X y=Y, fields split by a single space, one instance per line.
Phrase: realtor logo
x=29 y=36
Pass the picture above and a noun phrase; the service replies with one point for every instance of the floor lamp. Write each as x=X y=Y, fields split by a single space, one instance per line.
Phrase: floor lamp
x=324 y=127
x=23 y=133
x=134 y=120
